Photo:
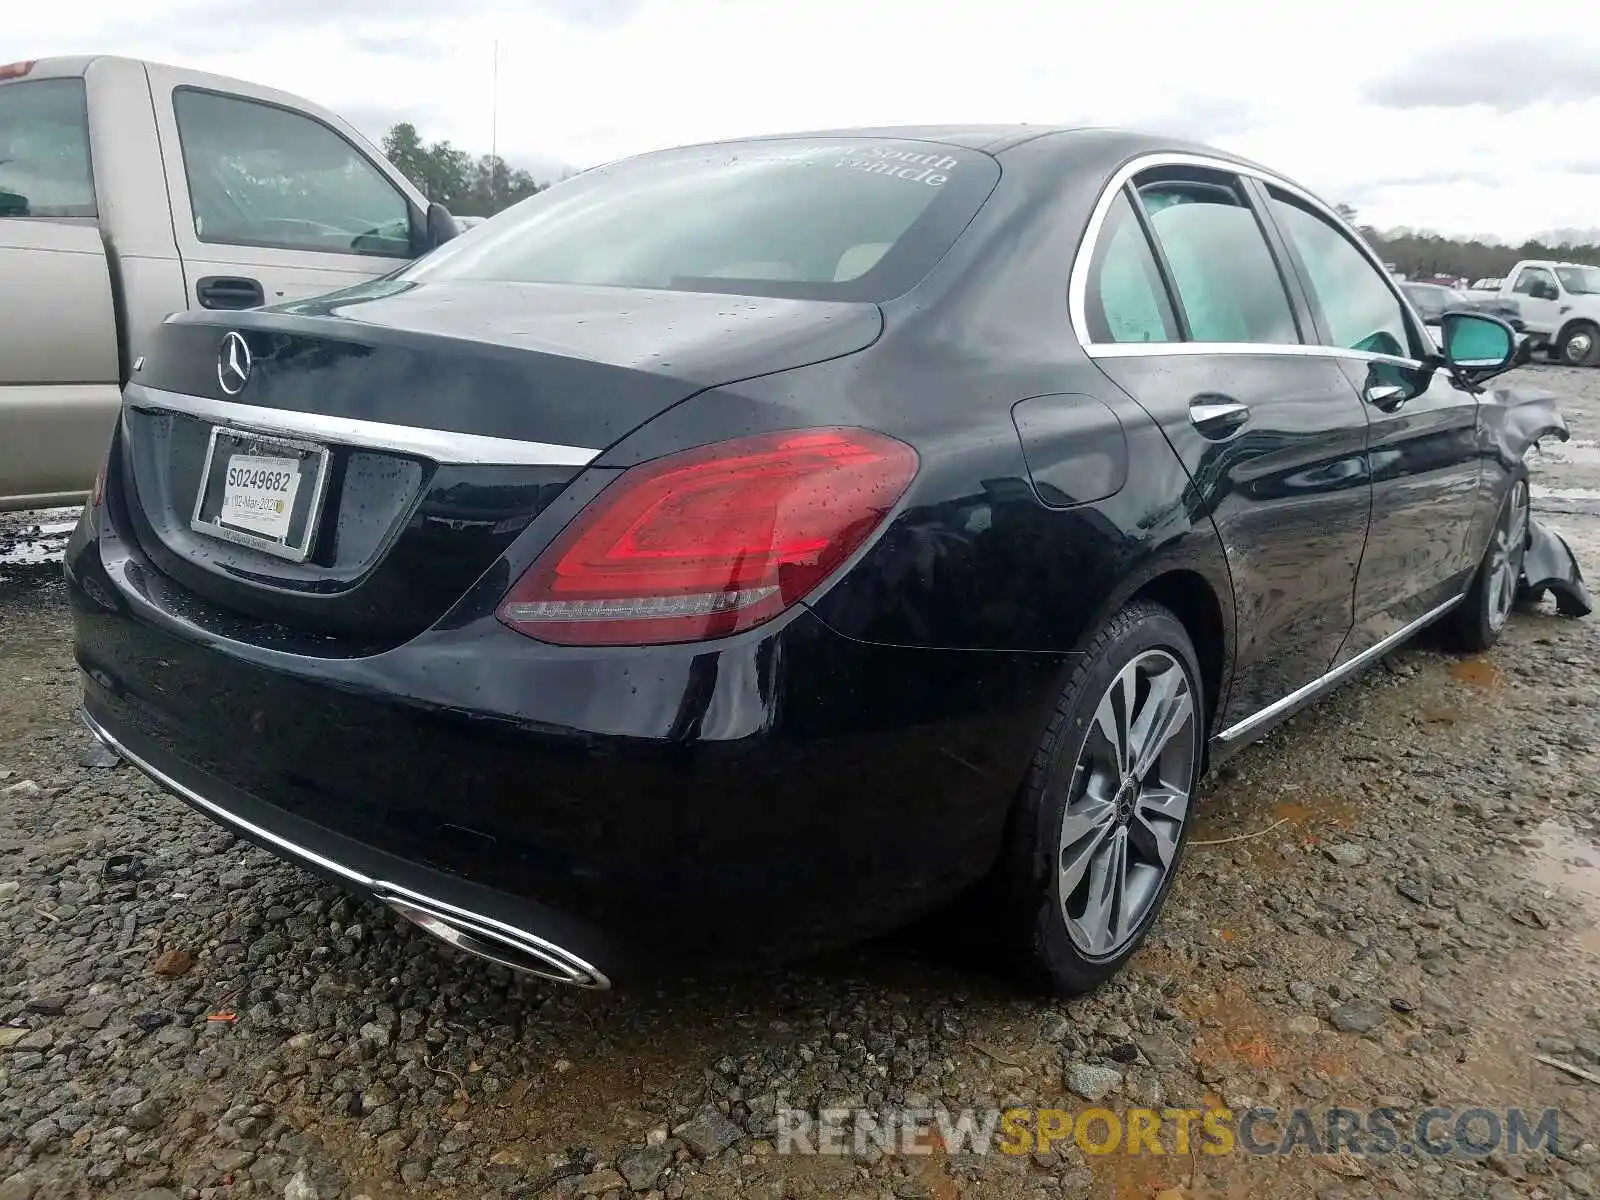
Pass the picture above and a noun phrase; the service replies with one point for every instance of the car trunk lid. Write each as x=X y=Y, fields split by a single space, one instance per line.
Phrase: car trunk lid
x=426 y=426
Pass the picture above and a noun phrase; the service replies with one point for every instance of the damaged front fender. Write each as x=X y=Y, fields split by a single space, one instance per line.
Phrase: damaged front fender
x=1516 y=419
x=1550 y=565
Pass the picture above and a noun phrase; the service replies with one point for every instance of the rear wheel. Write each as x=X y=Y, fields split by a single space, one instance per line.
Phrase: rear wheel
x=1479 y=620
x=1579 y=345
x=1103 y=819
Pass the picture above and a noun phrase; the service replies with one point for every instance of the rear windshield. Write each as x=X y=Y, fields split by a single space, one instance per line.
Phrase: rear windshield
x=827 y=219
x=44 y=150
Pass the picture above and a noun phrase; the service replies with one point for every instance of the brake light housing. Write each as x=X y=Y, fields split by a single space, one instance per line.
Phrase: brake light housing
x=709 y=542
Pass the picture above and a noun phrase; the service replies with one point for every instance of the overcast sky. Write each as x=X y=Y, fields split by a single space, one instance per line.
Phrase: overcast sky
x=1485 y=130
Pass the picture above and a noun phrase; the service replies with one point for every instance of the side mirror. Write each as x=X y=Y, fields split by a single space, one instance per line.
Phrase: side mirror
x=1477 y=346
x=441 y=227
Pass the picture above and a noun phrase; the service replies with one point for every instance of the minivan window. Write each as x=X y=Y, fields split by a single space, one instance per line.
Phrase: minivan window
x=44 y=150
x=823 y=218
x=260 y=175
x=1224 y=273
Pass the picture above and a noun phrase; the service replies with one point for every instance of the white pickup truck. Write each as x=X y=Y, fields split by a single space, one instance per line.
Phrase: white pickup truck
x=131 y=190
x=1560 y=304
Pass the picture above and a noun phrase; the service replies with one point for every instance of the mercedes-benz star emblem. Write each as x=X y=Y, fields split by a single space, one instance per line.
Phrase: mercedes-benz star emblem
x=233 y=364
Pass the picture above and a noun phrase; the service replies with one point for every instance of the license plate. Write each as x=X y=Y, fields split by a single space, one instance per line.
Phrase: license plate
x=261 y=491
x=258 y=494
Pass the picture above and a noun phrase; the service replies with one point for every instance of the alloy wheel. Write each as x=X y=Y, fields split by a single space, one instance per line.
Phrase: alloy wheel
x=1130 y=799
x=1506 y=549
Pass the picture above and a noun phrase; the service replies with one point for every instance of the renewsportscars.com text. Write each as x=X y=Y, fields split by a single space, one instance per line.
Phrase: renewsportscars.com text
x=1434 y=1132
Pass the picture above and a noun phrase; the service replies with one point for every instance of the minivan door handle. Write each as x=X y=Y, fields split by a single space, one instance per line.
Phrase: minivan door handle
x=227 y=291
x=1217 y=416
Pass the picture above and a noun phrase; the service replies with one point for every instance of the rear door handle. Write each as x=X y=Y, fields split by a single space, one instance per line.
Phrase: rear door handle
x=227 y=291
x=1217 y=416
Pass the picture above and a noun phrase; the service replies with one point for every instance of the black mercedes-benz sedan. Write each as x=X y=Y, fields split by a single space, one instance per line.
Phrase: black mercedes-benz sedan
x=747 y=548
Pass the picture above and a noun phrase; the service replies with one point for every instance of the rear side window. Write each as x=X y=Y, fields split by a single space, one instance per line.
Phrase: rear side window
x=44 y=150
x=1224 y=273
x=824 y=218
x=260 y=175
x=1127 y=301
x=1360 y=310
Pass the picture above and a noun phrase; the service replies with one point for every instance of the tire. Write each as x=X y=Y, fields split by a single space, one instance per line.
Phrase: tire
x=1578 y=345
x=1074 y=818
x=1478 y=621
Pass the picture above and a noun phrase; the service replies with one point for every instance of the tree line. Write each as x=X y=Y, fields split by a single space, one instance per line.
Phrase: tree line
x=1419 y=253
x=467 y=186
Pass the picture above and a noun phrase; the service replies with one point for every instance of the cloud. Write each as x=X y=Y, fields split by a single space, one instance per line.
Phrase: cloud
x=212 y=26
x=1454 y=139
x=1503 y=75
x=398 y=45
x=597 y=14
x=1208 y=118
x=1364 y=190
x=375 y=120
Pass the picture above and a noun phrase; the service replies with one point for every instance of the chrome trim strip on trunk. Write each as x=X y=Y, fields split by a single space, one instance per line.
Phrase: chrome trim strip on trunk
x=439 y=445
x=566 y=967
x=1240 y=731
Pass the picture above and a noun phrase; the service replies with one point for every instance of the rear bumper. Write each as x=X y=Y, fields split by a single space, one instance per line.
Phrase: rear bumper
x=620 y=810
x=499 y=923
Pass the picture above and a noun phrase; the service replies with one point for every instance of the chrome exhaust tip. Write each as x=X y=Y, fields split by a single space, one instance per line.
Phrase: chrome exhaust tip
x=485 y=938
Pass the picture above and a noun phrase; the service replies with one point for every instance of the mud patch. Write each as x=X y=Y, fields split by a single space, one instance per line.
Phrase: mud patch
x=1479 y=672
x=1564 y=861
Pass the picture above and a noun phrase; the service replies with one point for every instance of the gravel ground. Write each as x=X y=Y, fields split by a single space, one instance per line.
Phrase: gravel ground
x=1404 y=909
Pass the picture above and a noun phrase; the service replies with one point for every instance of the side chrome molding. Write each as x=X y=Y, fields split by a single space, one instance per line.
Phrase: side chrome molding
x=1240 y=732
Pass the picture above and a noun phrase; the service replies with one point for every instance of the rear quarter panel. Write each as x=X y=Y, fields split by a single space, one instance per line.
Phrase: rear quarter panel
x=973 y=559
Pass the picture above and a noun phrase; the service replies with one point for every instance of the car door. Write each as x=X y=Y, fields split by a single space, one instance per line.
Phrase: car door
x=1270 y=432
x=272 y=202
x=1539 y=294
x=1423 y=444
x=58 y=332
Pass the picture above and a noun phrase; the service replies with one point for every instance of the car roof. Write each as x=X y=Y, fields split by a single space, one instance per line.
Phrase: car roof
x=1107 y=142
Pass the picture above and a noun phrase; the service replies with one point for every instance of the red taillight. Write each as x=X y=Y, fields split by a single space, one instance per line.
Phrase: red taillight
x=711 y=541
x=16 y=70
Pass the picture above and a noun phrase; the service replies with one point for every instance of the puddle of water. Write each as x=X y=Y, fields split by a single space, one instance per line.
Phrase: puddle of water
x=30 y=538
x=1479 y=672
x=29 y=553
x=1564 y=861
